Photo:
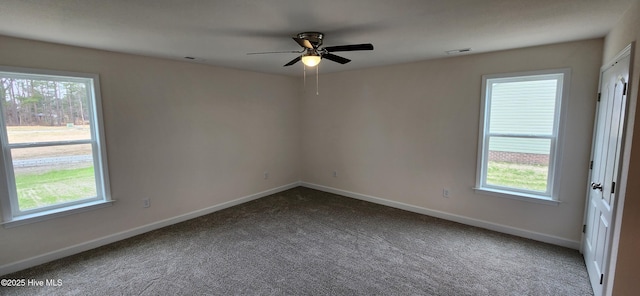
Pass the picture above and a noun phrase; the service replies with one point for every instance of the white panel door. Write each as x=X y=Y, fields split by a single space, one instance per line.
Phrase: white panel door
x=604 y=175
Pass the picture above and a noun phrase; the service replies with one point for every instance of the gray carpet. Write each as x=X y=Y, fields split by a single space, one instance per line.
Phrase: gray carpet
x=307 y=242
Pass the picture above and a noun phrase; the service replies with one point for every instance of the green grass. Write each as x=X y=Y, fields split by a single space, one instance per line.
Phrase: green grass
x=529 y=177
x=53 y=187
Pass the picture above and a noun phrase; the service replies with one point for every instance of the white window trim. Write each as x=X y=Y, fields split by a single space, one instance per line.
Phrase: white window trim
x=552 y=197
x=11 y=215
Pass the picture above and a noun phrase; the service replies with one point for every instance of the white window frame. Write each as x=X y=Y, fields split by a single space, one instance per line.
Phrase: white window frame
x=551 y=196
x=11 y=213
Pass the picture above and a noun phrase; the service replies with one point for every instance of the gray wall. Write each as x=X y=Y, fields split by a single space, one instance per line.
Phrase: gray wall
x=405 y=132
x=187 y=136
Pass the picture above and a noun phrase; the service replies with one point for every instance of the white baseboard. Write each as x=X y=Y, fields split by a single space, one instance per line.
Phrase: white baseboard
x=92 y=244
x=452 y=217
x=75 y=249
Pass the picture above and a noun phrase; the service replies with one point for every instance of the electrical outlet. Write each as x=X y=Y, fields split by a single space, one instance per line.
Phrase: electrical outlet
x=266 y=175
x=445 y=192
x=335 y=174
x=146 y=202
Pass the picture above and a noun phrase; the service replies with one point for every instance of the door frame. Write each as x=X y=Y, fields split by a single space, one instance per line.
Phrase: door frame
x=621 y=179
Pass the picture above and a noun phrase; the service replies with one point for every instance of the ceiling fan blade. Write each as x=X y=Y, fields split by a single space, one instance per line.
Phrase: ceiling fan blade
x=267 y=52
x=297 y=59
x=335 y=58
x=303 y=42
x=353 y=47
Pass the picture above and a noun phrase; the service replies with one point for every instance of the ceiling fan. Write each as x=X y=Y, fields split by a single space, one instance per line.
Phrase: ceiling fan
x=312 y=52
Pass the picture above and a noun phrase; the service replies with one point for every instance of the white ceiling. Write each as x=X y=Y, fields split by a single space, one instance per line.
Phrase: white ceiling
x=220 y=32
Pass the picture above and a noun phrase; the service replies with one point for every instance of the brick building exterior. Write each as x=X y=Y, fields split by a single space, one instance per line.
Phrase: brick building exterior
x=518 y=157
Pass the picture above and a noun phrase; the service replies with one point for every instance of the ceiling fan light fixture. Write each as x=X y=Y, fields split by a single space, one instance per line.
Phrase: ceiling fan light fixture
x=311 y=60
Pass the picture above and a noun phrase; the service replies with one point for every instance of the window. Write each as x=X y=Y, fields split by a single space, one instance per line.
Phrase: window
x=53 y=154
x=519 y=134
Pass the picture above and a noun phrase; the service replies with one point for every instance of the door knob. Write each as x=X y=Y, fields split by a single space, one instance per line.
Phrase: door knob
x=595 y=186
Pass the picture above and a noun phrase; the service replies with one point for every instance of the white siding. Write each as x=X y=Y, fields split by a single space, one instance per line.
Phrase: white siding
x=522 y=145
x=523 y=108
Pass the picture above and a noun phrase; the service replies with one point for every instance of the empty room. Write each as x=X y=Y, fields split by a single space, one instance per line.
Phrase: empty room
x=319 y=147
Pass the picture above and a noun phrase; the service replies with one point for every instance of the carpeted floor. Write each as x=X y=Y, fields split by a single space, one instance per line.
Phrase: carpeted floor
x=307 y=242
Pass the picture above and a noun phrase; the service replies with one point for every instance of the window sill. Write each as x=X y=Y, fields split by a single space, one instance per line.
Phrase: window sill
x=518 y=196
x=46 y=215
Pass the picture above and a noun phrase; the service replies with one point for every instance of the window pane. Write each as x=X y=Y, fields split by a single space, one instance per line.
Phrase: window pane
x=521 y=163
x=53 y=132
x=52 y=175
x=523 y=107
x=45 y=110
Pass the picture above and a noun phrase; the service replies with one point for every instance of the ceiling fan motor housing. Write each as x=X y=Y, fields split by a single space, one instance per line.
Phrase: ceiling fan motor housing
x=314 y=37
